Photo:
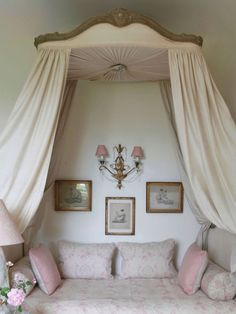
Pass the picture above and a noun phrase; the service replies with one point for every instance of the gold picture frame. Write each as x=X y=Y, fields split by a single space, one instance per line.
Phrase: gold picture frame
x=73 y=195
x=164 y=197
x=120 y=216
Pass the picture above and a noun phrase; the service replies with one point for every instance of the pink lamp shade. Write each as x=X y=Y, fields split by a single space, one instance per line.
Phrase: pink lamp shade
x=137 y=152
x=101 y=151
x=9 y=234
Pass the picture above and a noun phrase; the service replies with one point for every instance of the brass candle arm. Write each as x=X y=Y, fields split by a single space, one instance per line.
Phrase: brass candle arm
x=119 y=170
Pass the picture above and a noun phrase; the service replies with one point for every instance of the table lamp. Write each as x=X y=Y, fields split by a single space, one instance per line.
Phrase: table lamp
x=9 y=235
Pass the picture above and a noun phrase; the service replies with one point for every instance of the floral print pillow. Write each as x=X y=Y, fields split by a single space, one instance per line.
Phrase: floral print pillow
x=147 y=260
x=22 y=272
x=216 y=283
x=87 y=261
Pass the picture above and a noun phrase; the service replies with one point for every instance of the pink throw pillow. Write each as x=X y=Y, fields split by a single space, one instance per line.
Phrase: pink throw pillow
x=45 y=269
x=192 y=268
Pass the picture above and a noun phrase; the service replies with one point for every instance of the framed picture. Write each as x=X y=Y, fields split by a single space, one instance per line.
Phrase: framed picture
x=73 y=195
x=164 y=197
x=120 y=216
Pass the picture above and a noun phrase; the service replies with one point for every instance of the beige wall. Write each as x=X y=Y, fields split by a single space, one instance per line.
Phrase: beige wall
x=214 y=20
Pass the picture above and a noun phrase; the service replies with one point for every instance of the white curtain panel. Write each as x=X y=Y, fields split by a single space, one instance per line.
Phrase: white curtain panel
x=56 y=153
x=167 y=98
x=207 y=137
x=34 y=226
x=27 y=141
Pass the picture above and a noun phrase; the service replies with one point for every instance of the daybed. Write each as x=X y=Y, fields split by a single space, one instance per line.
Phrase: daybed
x=123 y=46
x=126 y=296
x=137 y=295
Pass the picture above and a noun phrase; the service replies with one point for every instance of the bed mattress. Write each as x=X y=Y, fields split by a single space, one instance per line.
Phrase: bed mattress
x=126 y=296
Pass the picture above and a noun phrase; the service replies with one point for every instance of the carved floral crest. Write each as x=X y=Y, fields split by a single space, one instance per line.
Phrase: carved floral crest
x=119 y=17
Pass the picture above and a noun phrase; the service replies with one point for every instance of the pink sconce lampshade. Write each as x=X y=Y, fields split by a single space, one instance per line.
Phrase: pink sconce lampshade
x=9 y=234
x=101 y=151
x=137 y=152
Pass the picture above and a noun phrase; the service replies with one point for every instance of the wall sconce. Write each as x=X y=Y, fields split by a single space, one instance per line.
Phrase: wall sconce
x=119 y=170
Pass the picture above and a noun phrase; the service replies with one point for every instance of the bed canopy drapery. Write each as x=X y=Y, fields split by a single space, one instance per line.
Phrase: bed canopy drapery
x=122 y=46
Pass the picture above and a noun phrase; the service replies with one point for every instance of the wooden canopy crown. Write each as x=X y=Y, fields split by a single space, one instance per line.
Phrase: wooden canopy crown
x=119 y=17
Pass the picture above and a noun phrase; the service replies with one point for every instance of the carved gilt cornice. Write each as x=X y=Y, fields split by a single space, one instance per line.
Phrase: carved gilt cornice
x=119 y=17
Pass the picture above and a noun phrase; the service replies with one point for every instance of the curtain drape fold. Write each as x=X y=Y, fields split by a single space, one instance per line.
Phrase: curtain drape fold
x=27 y=141
x=167 y=98
x=207 y=137
x=31 y=231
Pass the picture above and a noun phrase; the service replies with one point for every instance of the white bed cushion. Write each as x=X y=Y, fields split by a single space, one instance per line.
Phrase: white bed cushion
x=217 y=283
x=22 y=272
x=147 y=260
x=124 y=296
x=87 y=261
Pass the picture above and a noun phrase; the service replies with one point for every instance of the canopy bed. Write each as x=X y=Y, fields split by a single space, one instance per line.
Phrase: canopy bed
x=122 y=46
